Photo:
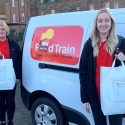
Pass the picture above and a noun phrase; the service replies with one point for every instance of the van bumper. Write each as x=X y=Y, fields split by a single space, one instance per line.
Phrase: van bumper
x=25 y=95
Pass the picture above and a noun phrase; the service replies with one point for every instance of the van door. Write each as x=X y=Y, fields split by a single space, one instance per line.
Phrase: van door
x=120 y=28
x=120 y=23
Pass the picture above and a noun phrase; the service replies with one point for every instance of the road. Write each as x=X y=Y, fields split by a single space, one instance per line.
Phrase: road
x=22 y=115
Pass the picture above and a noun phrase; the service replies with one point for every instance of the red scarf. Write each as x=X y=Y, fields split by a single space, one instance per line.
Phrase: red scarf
x=103 y=59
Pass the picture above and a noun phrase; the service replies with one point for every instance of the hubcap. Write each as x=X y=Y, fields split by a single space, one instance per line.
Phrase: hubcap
x=44 y=115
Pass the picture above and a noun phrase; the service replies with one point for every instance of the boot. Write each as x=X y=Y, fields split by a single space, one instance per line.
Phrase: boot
x=3 y=123
x=10 y=123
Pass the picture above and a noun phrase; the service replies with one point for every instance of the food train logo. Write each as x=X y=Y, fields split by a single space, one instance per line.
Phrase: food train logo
x=58 y=44
x=44 y=40
x=44 y=44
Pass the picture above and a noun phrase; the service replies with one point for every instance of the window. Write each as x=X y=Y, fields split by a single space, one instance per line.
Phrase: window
x=52 y=11
x=107 y=5
x=13 y=3
x=91 y=7
x=46 y=1
x=77 y=8
x=22 y=17
x=42 y=1
x=22 y=2
x=14 y=18
x=116 y=5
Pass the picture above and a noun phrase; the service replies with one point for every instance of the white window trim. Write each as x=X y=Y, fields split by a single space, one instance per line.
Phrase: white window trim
x=13 y=3
x=23 y=17
x=116 y=5
x=107 y=5
x=42 y=1
x=91 y=7
x=22 y=2
x=14 y=18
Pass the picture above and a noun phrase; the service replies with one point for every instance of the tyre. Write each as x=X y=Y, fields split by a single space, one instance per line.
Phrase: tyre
x=46 y=112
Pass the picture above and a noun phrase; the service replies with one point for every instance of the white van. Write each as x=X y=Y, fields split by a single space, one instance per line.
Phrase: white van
x=50 y=70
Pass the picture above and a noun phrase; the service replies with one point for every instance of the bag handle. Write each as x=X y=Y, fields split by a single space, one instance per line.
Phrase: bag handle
x=2 y=55
x=113 y=64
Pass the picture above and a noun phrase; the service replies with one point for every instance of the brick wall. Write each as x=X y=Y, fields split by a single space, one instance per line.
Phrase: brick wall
x=34 y=7
x=63 y=6
x=2 y=10
x=75 y=5
x=7 y=11
x=17 y=10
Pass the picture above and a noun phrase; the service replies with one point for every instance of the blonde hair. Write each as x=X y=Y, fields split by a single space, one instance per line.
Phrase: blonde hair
x=5 y=26
x=112 y=39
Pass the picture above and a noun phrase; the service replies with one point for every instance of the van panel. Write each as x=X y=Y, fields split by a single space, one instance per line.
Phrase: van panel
x=57 y=44
x=68 y=36
x=42 y=73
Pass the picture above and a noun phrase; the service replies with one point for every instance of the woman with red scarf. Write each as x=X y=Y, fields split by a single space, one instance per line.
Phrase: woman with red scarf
x=8 y=49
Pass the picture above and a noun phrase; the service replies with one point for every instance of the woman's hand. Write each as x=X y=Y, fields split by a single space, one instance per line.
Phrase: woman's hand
x=120 y=56
x=86 y=107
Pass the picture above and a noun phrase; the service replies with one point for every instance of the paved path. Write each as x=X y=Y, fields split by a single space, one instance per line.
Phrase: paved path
x=22 y=115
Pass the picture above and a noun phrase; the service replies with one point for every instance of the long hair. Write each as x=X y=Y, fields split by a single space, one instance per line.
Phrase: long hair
x=5 y=26
x=112 y=39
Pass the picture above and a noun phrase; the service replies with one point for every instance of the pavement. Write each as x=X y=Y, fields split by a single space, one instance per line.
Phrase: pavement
x=22 y=115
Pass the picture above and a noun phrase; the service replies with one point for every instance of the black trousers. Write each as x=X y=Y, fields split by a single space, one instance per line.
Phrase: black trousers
x=100 y=119
x=7 y=104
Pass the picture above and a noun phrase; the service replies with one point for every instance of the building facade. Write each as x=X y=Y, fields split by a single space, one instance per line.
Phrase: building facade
x=17 y=13
x=59 y=6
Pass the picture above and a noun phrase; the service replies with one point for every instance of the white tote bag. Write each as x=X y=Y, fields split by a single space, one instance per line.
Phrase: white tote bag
x=112 y=87
x=7 y=74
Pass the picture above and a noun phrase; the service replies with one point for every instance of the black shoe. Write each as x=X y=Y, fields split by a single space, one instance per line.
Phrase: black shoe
x=10 y=123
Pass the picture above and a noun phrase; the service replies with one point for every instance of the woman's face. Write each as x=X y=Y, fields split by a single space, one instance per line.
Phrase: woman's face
x=103 y=23
x=2 y=33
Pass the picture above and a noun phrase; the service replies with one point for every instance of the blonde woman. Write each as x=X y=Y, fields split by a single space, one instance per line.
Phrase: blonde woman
x=99 y=50
x=9 y=49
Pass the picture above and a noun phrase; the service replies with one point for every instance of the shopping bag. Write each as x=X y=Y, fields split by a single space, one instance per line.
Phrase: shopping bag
x=112 y=89
x=7 y=74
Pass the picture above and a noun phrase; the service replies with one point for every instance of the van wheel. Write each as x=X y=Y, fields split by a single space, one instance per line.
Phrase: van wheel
x=46 y=112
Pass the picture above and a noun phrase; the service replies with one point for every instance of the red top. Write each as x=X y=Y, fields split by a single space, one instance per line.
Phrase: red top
x=4 y=49
x=103 y=59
